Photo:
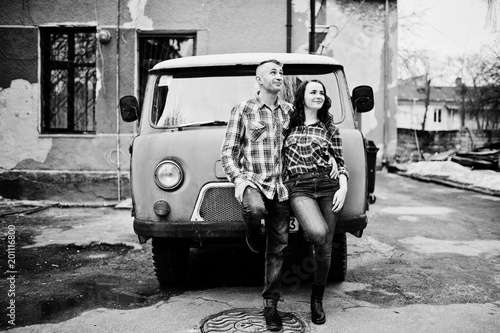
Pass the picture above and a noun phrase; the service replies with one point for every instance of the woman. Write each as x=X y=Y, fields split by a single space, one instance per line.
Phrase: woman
x=317 y=179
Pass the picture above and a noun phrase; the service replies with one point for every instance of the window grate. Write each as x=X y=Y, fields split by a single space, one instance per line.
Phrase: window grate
x=69 y=79
x=154 y=48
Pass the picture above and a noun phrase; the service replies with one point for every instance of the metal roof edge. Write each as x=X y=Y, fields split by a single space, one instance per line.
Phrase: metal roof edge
x=231 y=59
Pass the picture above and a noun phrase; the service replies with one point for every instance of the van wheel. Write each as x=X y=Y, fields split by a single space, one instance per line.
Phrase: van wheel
x=170 y=260
x=338 y=266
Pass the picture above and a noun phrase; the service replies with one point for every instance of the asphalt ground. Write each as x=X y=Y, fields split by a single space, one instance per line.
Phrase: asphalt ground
x=426 y=263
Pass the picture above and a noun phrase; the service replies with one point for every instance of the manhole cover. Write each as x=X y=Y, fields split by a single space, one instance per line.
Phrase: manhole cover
x=248 y=320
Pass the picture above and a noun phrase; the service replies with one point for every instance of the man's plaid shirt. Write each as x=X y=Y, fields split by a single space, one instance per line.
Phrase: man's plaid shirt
x=308 y=148
x=252 y=148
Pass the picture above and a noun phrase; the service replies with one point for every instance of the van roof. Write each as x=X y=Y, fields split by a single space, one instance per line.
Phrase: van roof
x=244 y=59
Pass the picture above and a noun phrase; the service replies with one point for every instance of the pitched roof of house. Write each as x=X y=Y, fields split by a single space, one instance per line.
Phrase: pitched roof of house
x=412 y=92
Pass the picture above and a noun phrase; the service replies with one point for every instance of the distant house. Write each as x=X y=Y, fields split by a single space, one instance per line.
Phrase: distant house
x=443 y=113
x=442 y=128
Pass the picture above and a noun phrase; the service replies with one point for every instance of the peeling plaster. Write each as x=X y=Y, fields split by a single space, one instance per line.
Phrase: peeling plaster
x=99 y=76
x=372 y=120
x=301 y=6
x=139 y=20
x=19 y=110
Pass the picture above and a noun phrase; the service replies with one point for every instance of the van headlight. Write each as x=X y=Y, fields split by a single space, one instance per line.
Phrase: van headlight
x=168 y=175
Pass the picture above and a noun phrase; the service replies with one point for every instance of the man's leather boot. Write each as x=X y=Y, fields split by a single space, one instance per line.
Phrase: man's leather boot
x=273 y=320
x=317 y=314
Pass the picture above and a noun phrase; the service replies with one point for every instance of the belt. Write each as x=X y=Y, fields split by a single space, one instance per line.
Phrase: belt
x=312 y=174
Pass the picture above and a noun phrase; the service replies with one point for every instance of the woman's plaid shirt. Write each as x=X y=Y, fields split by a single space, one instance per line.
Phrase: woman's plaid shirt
x=308 y=148
x=252 y=148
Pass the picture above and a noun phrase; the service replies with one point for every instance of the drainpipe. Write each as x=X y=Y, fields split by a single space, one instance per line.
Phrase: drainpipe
x=289 y=26
x=118 y=171
x=386 y=81
x=312 y=33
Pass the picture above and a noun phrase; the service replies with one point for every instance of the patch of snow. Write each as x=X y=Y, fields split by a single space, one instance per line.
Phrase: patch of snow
x=455 y=172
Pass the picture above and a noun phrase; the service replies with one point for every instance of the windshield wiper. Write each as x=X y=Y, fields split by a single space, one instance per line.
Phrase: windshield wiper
x=203 y=123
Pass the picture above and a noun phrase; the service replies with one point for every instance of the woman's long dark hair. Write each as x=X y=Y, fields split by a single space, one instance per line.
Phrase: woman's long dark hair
x=298 y=117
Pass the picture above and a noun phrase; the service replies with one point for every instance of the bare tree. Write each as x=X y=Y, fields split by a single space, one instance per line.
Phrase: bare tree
x=479 y=88
x=491 y=15
x=427 y=100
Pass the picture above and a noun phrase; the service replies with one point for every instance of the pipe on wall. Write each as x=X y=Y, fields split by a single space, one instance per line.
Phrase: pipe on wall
x=118 y=170
x=312 y=33
x=289 y=26
x=386 y=82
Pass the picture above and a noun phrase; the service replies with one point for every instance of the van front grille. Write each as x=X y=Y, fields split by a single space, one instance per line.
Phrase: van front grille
x=219 y=204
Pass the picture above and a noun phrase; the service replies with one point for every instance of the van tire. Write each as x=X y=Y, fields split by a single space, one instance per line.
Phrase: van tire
x=170 y=260
x=338 y=267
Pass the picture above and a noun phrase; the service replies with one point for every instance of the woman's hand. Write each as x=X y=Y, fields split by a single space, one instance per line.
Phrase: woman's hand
x=335 y=169
x=339 y=196
x=339 y=199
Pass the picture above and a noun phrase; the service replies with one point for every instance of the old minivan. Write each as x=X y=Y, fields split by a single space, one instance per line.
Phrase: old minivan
x=181 y=197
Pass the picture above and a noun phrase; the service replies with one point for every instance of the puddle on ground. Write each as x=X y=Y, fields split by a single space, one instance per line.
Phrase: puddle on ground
x=101 y=291
x=466 y=248
x=104 y=290
x=421 y=210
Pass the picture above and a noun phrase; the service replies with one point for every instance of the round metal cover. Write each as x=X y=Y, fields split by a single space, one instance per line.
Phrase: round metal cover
x=248 y=320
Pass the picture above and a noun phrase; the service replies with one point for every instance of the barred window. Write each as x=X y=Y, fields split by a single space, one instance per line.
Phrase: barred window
x=68 y=80
x=154 y=48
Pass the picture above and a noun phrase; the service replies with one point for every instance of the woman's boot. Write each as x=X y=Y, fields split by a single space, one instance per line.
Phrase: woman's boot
x=317 y=314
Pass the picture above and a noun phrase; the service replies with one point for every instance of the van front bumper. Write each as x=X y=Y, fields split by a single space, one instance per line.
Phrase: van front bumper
x=225 y=229
x=190 y=229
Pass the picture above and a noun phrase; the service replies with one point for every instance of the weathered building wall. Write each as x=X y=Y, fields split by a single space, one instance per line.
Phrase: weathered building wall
x=220 y=27
x=357 y=37
x=20 y=96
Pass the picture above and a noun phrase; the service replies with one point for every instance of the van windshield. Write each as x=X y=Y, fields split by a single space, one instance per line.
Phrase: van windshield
x=184 y=100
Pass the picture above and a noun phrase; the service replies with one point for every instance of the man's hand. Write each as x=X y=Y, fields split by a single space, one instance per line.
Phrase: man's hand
x=240 y=189
x=335 y=169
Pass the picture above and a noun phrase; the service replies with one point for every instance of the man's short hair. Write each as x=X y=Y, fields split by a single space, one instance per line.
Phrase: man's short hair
x=274 y=61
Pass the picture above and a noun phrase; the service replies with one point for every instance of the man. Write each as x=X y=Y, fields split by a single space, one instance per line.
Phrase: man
x=252 y=158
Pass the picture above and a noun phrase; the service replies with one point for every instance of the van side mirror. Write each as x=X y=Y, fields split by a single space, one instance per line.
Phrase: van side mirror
x=129 y=108
x=362 y=99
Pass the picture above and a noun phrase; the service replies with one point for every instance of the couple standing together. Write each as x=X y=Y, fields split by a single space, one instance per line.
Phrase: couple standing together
x=279 y=156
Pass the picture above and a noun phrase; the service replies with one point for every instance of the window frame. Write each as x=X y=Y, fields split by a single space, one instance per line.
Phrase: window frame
x=142 y=73
x=70 y=65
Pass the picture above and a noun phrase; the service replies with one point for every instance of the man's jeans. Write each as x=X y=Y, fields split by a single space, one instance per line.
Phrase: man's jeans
x=311 y=199
x=277 y=216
